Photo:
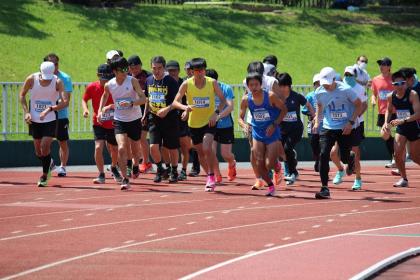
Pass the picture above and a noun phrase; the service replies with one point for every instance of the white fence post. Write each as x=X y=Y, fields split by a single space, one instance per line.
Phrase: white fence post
x=4 y=115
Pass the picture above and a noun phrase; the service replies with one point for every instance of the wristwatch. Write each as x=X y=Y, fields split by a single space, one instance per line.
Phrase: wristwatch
x=217 y=111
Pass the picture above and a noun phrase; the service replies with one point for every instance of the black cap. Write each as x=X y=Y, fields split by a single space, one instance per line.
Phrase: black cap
x=198 y=63
x=134 y=60
x=188 y=64
x=105 y=72
x=384 y=61
x=271 y=59
x=172 y=64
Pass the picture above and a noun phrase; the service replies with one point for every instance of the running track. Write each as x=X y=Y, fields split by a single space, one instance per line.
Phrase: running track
x=76 y=230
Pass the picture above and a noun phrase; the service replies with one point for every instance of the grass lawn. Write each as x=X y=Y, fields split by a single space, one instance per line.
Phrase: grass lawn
x=303 y=40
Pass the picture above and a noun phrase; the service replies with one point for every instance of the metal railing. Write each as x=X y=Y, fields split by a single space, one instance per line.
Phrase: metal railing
x=13 y=126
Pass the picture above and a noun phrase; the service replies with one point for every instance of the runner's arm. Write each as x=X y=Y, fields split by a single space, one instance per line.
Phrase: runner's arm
x=277 y=102
x=242 y=112
x=23 y=91
x=177 y=103
x=141 y=96
x=414 y=99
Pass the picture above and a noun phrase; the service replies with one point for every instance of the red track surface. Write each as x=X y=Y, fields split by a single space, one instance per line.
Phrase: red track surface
x=76 y=230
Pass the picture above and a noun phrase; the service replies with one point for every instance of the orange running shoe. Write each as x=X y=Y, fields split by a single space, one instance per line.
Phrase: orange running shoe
x=146 y=167
x=259 y=184
x=219 y=179
x=232 y=172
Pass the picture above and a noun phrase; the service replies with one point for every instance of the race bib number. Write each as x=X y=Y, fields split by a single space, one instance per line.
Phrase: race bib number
x=119 y=103
x=157 y=97
x=107 y=116
x=290 y=117
x=261 y=116
x=402 y=114
x=41 y=105
x=338 y=116
x=383 y=94
x=201 y=102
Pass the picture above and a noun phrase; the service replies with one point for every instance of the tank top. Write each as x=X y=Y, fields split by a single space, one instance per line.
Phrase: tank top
x=404 y=109
x=203 y=102
x=262 y=116
x=42 y=98
x=124 y=93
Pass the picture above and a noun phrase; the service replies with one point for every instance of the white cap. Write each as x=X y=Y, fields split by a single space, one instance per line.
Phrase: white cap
x=269 y=69
x=47 y=70
x=351 y=70
x=315 y=78
x=327 y=76
x=111 y=54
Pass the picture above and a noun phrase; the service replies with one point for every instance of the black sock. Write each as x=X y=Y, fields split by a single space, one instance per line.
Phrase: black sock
x=136 y=169
x=168 y=165
x=184 y=169
x=390 y=145
x=46 y=161
x=174 y=169
x=129 y=163
x=101 y=174
x=270 y=184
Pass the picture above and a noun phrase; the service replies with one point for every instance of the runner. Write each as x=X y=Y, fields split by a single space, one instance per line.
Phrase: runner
x=103 y=130
x=200 y=91
x=184 y=136
x=63 y=116
x=381 y=87
x=292 y=126
x=163 y=119
x=45 y=89
x=313 y=135
x=340 y=107
x=128 y=96
x=362 y=75
x=135 y=69
x=350 y=76
x=407 y=105
x=267 y=111
x=224 y=131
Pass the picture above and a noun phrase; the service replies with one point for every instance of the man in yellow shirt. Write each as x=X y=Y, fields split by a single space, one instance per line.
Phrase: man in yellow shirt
x=203 y=116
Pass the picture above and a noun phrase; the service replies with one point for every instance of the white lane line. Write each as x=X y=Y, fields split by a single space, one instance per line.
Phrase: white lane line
x=286 y=238
x=130 y=205
x=365 y=206
x=255 y=203
x=269 y=245
x=241 y=207
x=172 y=229
x=354 y=210
x=195 y=214
x=222 y=264
x=146 y=200
x=90 y=214
x=302 y=232
x=330 y=220
x=226 y=212
x=16 y=231
x=58 y=194
x=209 y=217
x=316 y=226
x=129 y=241
x=191 y=223
x=109 y=209
x=41 y=226
x=164 y=195
x=152 y=234
x=343 y=215
x=67 y=220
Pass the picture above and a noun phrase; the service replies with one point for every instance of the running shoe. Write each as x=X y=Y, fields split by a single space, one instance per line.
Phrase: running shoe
x=125 y=185
x=357 y=185
x=173 y=176
x=158 y=176
x=116 y=174
x=194 y=173
x=391 y=164
x=136 y=172
x=210 y=184
x=271 y=191
x=277 y=174
x=219 y=179
x=182 y=176
x=232 y=172
x=146 y=167
x=338 y=179
x=323 y=194
x=350 y=165
x=259 y=184
x=129 y=170
x=395 y=172
x=290 y=180
x=165 y=173
x=43 y=181
x=61 y=171
x=402 y=183
x=99 y=180
x=286 y=169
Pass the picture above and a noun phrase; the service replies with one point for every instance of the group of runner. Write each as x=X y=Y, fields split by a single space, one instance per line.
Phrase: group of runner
x=189 y=117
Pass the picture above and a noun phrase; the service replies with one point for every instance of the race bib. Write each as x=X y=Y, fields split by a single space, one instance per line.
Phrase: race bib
x=402 y=114
x=383 y=94
x=120 y=101
x=107 y=116
x=157 y=97
x=261 y=116
x=290 y=117
x=338 y=116
x=41 y=105
x=201 y=102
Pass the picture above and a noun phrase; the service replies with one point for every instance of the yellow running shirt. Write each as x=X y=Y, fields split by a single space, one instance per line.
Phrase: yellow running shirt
x=202 y=101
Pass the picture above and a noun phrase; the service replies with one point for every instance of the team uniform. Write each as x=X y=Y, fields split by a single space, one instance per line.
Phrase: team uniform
x=224 y=129
x=313 y=135
x=404 y=109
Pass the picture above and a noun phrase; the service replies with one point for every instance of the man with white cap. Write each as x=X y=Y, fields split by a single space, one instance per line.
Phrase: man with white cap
x=341 y=107
x=112 y=54
x=313 y=135
x=45 y=89
x=350 y=76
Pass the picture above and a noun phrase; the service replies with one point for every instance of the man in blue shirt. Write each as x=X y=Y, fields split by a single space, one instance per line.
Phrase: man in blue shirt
x=224 y=131
x=340 y=106
x=62 y=115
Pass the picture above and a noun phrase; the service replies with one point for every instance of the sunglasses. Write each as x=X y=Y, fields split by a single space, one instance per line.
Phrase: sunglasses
x=125 y=69
x=364 y=61
x=400 y=83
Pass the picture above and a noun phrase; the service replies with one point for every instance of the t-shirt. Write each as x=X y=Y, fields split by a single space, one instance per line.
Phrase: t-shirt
x=228 y=94
x=161 y=94
x=362 y=75
x=68 y=87
x=310 y=97
x=94 y=92
x=338 y=105
x=142 y=77
x=292 y=119
x=381 y=87
x=361 y=94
